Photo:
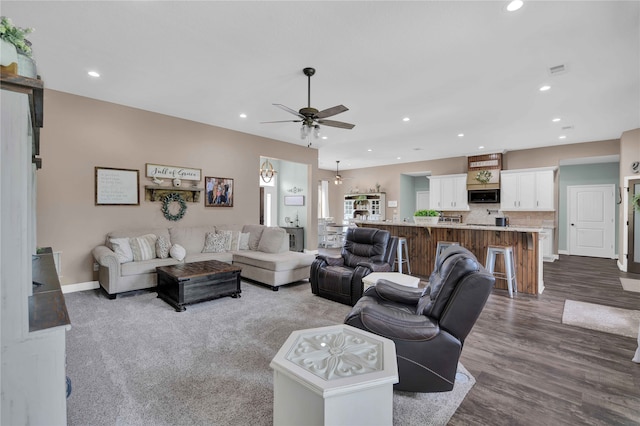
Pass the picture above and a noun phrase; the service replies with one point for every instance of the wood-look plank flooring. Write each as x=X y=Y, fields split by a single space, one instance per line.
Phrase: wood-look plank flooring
x=530 y=369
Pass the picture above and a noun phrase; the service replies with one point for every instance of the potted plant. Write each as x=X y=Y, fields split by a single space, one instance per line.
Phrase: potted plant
x=16 y=49
x=426 y=217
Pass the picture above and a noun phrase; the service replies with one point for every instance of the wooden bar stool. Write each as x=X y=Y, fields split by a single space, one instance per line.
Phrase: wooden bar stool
x=442 y=246
x=509 y=266
x=402 y=244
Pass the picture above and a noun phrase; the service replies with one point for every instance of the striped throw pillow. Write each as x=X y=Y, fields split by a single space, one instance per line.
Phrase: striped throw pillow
x=143 y=247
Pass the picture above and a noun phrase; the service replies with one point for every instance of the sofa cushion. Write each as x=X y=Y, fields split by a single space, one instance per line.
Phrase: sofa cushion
x=274 y=261
x=143 y=247
x=243 y=241
x=273 y=239
x=162 y=247
x=178 y=252
x=255 y=232
x=190 y=237
x=122 y=249
x=216 y=243
x=224 y=256
x=145 y=266
x=130 y=233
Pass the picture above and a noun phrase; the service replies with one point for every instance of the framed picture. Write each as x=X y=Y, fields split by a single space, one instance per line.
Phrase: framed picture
x=294 y=200
x=117 y=187
x=219 y=192
x=172 y=172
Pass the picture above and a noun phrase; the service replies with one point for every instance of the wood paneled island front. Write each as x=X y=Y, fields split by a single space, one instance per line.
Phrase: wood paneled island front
x=422 y=241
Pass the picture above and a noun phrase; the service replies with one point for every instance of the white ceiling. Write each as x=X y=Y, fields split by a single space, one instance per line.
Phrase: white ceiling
x=452 y=67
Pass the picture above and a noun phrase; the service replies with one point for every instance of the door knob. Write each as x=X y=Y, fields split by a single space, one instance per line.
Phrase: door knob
x=573 y=224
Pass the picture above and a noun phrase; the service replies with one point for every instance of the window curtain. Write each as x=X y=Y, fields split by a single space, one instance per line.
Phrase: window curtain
x=323 y=199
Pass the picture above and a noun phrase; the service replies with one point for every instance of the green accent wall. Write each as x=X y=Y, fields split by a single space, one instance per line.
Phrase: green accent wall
x=584 y=174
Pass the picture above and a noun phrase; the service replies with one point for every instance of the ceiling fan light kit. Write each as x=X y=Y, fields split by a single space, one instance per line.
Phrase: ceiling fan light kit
x=310 y=117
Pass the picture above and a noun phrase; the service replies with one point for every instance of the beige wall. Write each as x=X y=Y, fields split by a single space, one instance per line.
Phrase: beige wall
x=81 y=133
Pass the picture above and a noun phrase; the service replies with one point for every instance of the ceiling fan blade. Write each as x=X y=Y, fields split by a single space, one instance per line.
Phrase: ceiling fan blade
x=331 y=111
x=281 y=121
x=339 y=124
x=292 y=111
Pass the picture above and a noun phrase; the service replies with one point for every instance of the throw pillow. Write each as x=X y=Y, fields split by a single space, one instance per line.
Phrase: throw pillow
x=228 y=235
x=122 y=249
x=255 y=232
x=272 y=240
x=143 y=247
x=178 y=252
x=243 y=241
x=162 y=247
x=215 y=243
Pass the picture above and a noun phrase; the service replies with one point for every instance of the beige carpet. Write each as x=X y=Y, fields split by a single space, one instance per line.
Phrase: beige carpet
x=624 y=322
x=629 y=284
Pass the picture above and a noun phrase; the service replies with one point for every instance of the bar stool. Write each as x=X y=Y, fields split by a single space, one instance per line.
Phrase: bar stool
x=402 y=244
x=509 y=266
x=442 y=246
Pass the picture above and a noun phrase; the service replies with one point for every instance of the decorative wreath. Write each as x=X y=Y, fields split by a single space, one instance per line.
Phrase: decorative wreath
x=483 y=176
x=166 y=201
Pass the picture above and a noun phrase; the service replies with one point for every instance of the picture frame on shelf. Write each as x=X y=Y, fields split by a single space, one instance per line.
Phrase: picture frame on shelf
x=219 y=192
x=117 y=187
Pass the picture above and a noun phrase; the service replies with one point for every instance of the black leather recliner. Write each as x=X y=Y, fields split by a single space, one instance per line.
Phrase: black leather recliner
x=365 y=250
x=428 y=326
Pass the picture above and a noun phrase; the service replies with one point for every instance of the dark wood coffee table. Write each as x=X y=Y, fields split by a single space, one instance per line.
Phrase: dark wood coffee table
x=180 y=285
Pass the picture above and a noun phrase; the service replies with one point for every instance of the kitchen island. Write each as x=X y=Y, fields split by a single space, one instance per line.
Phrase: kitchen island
x=422 y=241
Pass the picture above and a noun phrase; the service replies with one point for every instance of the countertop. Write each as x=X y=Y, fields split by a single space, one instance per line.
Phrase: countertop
x=510 y=228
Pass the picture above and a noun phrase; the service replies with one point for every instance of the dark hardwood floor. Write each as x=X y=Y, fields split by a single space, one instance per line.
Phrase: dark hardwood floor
x=530 y=369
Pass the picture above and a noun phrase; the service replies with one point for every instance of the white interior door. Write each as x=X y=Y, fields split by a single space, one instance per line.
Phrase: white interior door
x=591 y=220
x=422 y=200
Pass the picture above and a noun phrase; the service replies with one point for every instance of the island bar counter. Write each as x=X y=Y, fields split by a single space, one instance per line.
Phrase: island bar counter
x=422 y=241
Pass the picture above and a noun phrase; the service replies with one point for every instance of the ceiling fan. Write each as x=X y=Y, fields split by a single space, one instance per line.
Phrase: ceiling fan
x=310 y=117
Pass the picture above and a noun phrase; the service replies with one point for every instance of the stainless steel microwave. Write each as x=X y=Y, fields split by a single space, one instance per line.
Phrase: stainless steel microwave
x=484 y=196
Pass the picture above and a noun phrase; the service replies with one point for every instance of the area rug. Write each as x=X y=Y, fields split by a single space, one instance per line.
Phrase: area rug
x=624 y=322
x=629 y=284
x=135 y=361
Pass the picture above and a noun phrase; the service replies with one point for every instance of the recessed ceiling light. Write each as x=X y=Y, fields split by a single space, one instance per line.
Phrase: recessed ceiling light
x=555 y=120
x=398 y=158
x=562 y=137
x=544 y=88
x=369 y=150
x=481 y=147
x=461 y=135
x=514 y=5
x=243 y=115
x=94 y=73
x=325 y=137
x=406 y=119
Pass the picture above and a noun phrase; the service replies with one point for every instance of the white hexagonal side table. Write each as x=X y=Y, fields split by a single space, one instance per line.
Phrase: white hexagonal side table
x=336 y=375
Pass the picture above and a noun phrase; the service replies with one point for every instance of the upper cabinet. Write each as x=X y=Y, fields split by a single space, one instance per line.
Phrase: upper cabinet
x=448 y=192
x=527 y=189
x=371 y=205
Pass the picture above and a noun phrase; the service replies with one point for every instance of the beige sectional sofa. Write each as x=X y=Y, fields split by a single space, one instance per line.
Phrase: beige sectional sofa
x=262 y=253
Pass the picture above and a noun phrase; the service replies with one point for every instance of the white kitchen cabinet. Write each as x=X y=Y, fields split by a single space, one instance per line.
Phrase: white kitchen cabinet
x=371 y=205
x=527 y=190
x=448 y=192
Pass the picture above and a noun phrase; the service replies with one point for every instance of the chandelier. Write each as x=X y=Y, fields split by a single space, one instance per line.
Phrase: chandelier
x=267 y=171
x=338 y=180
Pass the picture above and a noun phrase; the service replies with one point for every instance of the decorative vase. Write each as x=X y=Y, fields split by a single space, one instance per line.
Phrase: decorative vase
x=426 y=220
x=8 y=57
x=26 y=66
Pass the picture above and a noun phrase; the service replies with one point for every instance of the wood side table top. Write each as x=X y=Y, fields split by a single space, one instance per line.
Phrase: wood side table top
x=197 y=269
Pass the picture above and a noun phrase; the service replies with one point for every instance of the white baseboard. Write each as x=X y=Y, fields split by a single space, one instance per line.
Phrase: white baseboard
x=72 y=288
x=563 y=252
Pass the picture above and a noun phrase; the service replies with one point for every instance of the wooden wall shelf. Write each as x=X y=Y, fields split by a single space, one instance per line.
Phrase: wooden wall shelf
x=155 y=193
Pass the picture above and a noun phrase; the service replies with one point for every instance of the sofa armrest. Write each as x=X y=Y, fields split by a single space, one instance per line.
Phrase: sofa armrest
x=395 y=292
x=109 y=270
x=331 y=260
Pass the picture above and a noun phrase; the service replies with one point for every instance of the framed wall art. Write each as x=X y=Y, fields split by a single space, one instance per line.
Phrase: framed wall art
x=294 y=200
x=219 y=192
x=117 y=187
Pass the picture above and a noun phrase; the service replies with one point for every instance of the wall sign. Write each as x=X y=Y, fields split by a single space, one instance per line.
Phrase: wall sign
x=117 y=187
x=172 y=172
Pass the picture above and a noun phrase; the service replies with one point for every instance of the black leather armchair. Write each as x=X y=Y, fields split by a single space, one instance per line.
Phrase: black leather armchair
x=365 y=250
x=428 y=326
